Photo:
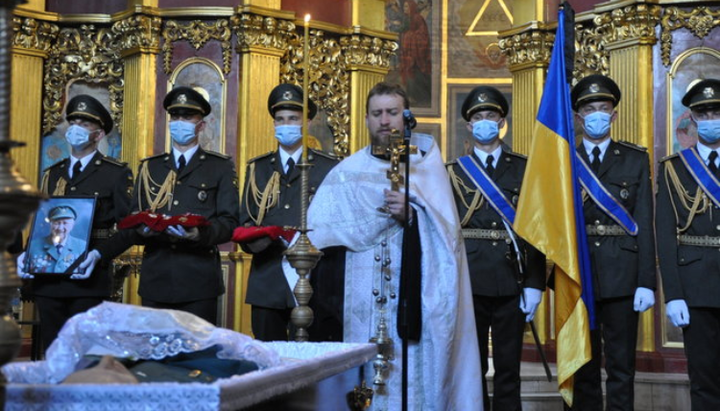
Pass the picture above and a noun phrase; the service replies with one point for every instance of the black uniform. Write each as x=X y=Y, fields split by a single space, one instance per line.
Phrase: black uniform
x=110 y=182
x=688 y=233
x=177 y=272
x=268 y=291
x=494 y=276
x=620 y=264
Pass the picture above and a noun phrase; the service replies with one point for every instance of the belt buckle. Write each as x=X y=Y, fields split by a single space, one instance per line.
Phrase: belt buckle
x=495 y=235
x=601 y=229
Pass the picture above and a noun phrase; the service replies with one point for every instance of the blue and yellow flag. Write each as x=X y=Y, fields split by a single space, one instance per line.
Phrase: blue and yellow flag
x=550 y=217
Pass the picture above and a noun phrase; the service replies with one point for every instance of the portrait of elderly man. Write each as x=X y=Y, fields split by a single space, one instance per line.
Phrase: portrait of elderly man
x=59 y=249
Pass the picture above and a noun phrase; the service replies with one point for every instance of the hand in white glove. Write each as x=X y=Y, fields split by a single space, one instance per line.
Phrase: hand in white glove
x=529 y=302
x=644 y=299
x=179 y=231
x=677 y=312
x=87 y=266
x=21 y=268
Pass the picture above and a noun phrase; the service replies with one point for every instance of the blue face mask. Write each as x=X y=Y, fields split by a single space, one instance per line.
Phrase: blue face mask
x=182 y=132
x=597 y=125
x=485 y=131
x=288 y=135
x=77 y=136
x=709 y=130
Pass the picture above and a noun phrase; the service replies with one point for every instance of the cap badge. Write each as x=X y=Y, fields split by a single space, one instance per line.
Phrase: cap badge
x=82 y=106
x=182 y=99
x=594 y=88
x=287 y=95
x=482 y=97
x=708 y=92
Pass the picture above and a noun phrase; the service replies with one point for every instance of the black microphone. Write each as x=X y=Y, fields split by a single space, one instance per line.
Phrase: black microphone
x=409 y=119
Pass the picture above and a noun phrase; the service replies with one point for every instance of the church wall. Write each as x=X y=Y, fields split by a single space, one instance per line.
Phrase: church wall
x=85 y=7
x=335 y=12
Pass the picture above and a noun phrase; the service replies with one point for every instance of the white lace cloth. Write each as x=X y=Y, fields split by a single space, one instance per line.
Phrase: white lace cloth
x=130 y=331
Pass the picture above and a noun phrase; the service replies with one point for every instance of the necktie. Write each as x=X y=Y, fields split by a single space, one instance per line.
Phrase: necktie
x=59 y=248
x=181 y=163
x=76 y=170
x=290 y=166
x=489 y=165
x=712 y=165
x=595 y=165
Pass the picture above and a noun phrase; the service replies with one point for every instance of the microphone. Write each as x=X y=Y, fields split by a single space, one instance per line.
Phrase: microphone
x=409 y=119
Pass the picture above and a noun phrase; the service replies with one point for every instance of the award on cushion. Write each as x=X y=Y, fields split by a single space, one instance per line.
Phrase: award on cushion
x=247 y=234
x=160 y=222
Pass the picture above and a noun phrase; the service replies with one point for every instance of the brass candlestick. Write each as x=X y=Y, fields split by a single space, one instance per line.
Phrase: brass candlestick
x=303 y=256
x=18 y=199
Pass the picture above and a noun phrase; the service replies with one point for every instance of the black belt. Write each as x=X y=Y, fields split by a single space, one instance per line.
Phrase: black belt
x=486 y=234
x=699 y=240
x=605 y=230
x=102 y=233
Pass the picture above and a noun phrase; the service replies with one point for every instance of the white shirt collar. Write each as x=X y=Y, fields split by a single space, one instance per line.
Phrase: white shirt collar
x=483 y=155
x=284 y=155
x=83 y=161
x=188 y=154
x=589 y=146
x=705 y=151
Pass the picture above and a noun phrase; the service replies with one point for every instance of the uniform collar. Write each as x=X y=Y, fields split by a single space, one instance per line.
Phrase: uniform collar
x=83 y=161
x=589 y=146
x=189 y=153
x=482 y=156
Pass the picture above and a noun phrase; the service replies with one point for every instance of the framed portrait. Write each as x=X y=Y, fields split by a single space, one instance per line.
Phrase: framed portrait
x=60 y=236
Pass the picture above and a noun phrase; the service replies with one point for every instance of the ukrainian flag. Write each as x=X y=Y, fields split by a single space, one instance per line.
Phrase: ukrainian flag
x=550 y=217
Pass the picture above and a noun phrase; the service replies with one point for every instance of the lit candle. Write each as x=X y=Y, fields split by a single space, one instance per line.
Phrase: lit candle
x=306 y=70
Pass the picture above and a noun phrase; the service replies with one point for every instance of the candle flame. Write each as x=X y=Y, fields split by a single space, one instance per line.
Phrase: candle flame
x=307 y=18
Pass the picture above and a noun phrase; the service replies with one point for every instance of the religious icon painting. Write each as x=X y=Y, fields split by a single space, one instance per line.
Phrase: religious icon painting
x=60 y=236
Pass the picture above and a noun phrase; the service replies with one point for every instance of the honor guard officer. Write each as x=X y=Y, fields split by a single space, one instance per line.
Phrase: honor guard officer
x=87 y=172
x=181 y=266
x=486 y=186
x=271 y=197
x=618 y=213
x=688 y=232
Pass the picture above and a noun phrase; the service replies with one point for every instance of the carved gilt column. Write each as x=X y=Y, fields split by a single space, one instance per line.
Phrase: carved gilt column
x=630 y=56
x=140 y=41
x=368 y=56
x=528 y=48
x=31 y=41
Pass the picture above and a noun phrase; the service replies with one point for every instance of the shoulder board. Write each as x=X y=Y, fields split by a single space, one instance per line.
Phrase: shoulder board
x=55 y=165
x=261 y=156
x=113 y=161
x=155 y=156
x=669 y=157
x=514 y=154
x=632 y=145
x=216 y=154
x=324 y=154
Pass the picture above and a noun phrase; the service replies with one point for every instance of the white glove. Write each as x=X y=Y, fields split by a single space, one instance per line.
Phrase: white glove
x=21 y=267
x=87 y=266
x=529 y=302
x=179 y=231
x=677 y=312
x=644 y=299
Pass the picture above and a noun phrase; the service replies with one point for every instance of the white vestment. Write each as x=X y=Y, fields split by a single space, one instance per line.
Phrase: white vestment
x=444 y=366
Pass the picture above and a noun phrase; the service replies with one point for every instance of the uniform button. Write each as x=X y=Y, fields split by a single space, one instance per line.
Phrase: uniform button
x=597 y=222
x=73 y=188
x=287 y=206
x=494 y=243
x=176 y=202
x=682 y=260
x=597 y=243
x=97 y=194
x=717 y=227
x=178 y=182
x=288 y=185
x=493 y=225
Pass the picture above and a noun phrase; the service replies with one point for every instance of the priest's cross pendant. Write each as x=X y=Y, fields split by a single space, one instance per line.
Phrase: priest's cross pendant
x=395 y=150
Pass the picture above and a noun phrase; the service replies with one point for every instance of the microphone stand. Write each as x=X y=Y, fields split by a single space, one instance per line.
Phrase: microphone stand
x=403 y=281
